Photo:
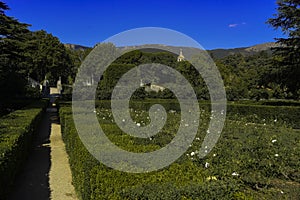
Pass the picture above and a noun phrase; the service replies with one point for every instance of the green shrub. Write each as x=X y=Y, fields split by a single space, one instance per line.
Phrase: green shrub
x=288 y=115
x=16 y=132
x=207 y=190
x=243 y=165
x=81 y=162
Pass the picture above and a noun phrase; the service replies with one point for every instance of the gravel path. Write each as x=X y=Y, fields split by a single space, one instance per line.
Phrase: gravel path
x=46 y=173
x=60 y=173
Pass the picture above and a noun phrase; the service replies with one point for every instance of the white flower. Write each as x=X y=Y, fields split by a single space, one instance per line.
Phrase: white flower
x=94 y=111
x=214 y=155
x=150 y=138
x=197 y=138
x=193 y=153
x=275 y=120
x=186 y=124
x=211 y=178
x=281 y=192
x=123 y=120
x=234 y=174
x=138 y=124
x=276 y=155
x=264 y=124
x=206 y=165
x=274 y=140
x=103 y=117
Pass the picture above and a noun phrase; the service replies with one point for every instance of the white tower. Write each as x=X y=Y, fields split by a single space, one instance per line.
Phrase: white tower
x=180 y=57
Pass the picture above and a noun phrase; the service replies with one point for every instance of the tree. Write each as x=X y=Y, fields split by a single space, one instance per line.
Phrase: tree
x=287 y=57
x=47 y=56
x=25 y=53
x=77 y=56
x=13 y=35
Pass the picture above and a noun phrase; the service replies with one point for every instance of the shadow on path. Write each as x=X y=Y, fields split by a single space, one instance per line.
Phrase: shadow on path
x=32 y=182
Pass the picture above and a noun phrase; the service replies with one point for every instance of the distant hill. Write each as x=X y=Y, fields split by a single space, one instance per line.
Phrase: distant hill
x=76 y=47
x=221 y=53
x=216 y=53
x=157 y=48
x=262 y=47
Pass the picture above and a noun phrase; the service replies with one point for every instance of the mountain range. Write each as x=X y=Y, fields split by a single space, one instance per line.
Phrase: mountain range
x=216 y=53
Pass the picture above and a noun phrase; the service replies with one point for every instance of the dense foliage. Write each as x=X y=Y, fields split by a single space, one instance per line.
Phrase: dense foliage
x=244 y=76
x=16 y=132
x=257 y=157
x=27 y=54
x=287 y=56
x=12 y=38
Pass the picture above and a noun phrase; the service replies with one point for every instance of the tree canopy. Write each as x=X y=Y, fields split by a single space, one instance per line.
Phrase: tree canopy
x=29 y=54
x=287 y=56
x=38 y=54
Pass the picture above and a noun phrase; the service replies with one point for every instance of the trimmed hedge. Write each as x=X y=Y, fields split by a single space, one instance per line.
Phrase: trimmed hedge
x=81 y=162
x=93 y=180
x=259 y=160
x=16 y=133
x=8 y=106
x=213 y=190
x=288 y=115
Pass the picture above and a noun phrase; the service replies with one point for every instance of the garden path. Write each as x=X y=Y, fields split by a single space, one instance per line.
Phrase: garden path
x=46 y=173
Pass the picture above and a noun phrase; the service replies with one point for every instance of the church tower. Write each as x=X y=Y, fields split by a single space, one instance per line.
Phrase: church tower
x=180 y=57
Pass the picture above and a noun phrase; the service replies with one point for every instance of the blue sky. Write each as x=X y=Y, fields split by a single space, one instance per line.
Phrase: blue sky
x=212 y=23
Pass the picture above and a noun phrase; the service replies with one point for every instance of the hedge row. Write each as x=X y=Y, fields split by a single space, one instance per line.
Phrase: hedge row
x=287 y=115
x=258 y=162
x=8 y=106
x=16 y=132
x=81 y=162
x=93 y=180
x=255 y=113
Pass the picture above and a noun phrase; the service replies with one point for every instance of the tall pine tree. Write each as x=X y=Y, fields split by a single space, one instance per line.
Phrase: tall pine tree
x=13 y=34
x=287 y=56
